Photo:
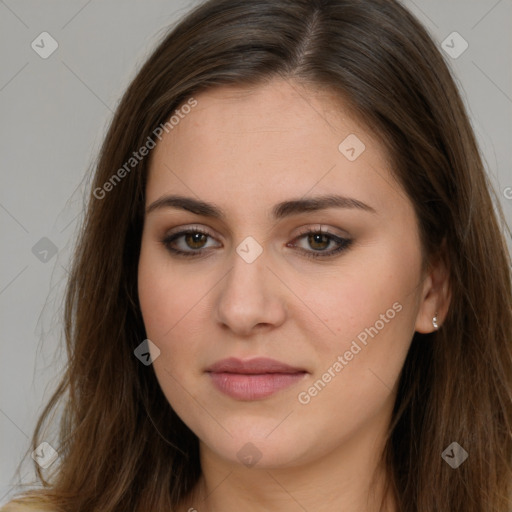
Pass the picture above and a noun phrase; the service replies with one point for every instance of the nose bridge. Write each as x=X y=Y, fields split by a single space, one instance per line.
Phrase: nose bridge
x=249 y=264
x=249 y=294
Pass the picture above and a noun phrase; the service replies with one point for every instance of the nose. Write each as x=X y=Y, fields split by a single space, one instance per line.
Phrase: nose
x=250 y=297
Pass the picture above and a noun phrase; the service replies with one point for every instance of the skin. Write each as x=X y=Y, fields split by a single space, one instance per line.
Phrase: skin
x=246 y=149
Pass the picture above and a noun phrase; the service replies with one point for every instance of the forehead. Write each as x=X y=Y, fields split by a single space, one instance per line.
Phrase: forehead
x=279 y=106
x=260 y=142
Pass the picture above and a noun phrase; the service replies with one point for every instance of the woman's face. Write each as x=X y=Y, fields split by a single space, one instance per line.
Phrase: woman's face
x=278 y=347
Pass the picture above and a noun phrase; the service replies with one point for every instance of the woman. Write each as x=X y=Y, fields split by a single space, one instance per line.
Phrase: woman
x=291 y=291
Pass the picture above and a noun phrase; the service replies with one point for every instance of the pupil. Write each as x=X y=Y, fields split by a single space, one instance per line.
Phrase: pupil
x=317 y=238
x=196 y=238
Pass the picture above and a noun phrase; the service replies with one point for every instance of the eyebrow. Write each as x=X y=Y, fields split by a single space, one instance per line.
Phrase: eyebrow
x=279 y=211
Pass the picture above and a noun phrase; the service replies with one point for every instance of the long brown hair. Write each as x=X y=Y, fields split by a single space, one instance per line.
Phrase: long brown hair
x=122 y=448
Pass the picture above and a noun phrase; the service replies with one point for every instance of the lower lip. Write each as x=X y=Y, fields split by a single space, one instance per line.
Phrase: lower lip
x=253 y=386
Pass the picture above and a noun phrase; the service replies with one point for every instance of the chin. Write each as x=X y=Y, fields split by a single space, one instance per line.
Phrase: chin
x=259 y=443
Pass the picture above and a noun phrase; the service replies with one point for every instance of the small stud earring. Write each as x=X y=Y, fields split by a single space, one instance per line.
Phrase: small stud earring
x=434 y=322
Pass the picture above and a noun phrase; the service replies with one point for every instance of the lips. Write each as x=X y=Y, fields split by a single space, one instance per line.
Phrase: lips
x=253 y=366
x=254 y=379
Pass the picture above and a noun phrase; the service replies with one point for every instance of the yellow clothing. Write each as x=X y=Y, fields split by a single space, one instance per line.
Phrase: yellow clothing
x=17 y=507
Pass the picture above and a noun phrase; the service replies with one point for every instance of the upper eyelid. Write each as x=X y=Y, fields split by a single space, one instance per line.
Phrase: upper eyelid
x=316 y=228
x=319 y=228
x=187 y=229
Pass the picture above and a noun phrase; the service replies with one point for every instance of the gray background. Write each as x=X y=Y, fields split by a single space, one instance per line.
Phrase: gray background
x=54 y=113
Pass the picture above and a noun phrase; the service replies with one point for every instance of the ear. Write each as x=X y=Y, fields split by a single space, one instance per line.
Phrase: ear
x=436 y=294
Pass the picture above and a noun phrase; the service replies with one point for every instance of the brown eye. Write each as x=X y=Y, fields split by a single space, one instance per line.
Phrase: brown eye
x=319 y=241
x=191 y=242
x=195 y=240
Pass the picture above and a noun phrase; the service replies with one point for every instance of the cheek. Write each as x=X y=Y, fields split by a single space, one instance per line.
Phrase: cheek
x=359 y=365
x=166 y=297
x=370 y=310
x=166 y=307
x=173 y=303
x=363 y=295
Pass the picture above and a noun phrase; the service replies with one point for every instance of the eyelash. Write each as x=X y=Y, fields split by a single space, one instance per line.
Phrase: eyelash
x=344 y=243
